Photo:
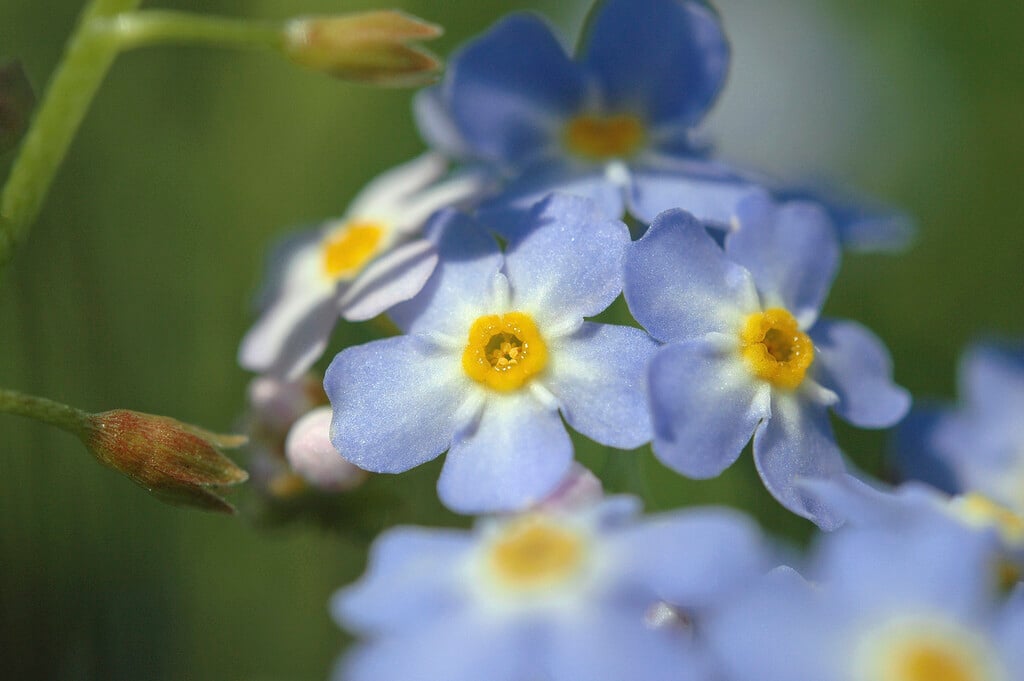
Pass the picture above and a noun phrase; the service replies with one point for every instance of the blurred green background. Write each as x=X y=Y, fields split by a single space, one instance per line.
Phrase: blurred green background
x=133 y=291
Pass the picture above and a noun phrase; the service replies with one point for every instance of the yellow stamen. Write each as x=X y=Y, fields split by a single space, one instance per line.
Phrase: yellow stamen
x=775 y=349
x=602 y=138
x=535 y=553
x=504 y=351
x=347 y=249
x=978 y=510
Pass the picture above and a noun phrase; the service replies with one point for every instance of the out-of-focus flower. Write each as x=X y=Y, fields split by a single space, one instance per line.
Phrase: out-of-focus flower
x=555 y=594
x=355 y=267
x=905 y=604
x=618 y=124
x=497 y=346
x=747 y=354
x=978 y=447
x=372 y=47
x=173 y=461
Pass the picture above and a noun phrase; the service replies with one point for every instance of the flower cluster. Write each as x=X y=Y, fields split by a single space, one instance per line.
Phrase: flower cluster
x=558 y=184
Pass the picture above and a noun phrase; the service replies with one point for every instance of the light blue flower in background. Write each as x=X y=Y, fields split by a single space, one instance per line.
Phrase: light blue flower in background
x=618 y=124
x=557 y=595
x=977 y=447
x=747 y=354
x=903 y=604
x=496 y=348
x=354 y=267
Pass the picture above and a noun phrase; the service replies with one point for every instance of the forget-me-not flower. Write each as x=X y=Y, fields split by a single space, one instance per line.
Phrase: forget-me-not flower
x=497 y=352
x=747 y=354
x=558 y=594
x=355 y=267
x=902 y=604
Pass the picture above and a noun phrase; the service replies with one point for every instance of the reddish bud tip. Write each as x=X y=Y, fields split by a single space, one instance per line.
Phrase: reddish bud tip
x=176 y=462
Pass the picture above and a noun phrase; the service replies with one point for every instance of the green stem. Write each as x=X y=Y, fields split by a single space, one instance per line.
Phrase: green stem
x=41 y=409
x=86 y=61
x=153 y=27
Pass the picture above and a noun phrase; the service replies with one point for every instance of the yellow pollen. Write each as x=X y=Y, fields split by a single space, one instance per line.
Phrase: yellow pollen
x=533 y=553
x=504 y=351
x=775 y=349
x=347 y=249
x=930 y=661
x=978 y=510
x=602 y=138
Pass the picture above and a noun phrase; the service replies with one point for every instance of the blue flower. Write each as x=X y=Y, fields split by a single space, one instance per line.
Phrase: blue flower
x=747 y=354
x=892 y=605
x=355 y=267
x=497 y=346
x=978 y=447
x=617 y=125
x=555 y=595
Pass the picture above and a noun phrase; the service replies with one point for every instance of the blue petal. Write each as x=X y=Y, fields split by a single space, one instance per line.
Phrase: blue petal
x=797 y=444
x=598 y=375
x=851 y=361
x=792 y=252
x=992 y=380
x=705 y=407
x=696 y=558
x=609 y=645
x=516 y=455
x=679 y=284
x=410 y=580
x=916 y=453
x=510 y=212
x=394 y=403
x=666 y=58
x=570 y=265
x=460 y=285
x=1011 y=629
x=710 y=199
x=511 y=90
x=435 y=123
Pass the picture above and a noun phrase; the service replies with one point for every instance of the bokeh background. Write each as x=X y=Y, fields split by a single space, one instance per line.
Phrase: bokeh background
x=133 y=291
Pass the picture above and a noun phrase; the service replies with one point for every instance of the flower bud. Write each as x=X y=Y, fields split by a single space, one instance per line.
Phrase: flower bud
x=311 y=454
x=16 y=102
x=370 y=47
x=175 y=462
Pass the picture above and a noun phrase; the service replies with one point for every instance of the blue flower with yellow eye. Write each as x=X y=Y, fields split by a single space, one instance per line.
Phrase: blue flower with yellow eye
x=496 y=353
x=746 y=353
x=556 y=595
x=911 y=603
x=617 y=124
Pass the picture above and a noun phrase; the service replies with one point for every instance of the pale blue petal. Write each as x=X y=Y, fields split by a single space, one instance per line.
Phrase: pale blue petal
x=711 y=199
x=435 y=123
x=1011 y=630
x=599 y=376
x=615 y=646
x=992 y=380
x=510 y=90
x=853 y=363
x=705 y=407
x=664 y=58
x=569 y=266
x=394 y=403
x=918 y=453
x=792 y=252
x=516 y=455
x=461 y=283
x=410 y=580
x=509 y=213
x=291 y=335
x=693 y=559
x=797 y=444
x=393 y=278
x=680 y=285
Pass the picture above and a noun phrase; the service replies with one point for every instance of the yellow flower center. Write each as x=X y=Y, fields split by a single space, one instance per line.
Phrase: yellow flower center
x=775 y=349
x=926 y=651
x=504 y=351
x=347 y=249
x=534 y=553
x=978 y=510
x=601 y=138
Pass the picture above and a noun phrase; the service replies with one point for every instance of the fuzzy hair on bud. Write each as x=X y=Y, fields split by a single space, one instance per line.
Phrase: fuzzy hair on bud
x=369 y=47
x=175 y=462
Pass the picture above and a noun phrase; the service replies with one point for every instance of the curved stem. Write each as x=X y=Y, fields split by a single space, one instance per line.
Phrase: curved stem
x=41 y=409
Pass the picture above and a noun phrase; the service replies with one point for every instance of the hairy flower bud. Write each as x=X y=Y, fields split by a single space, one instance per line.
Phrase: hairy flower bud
x=371 y=47
x=173 y=461
x=16 y=102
